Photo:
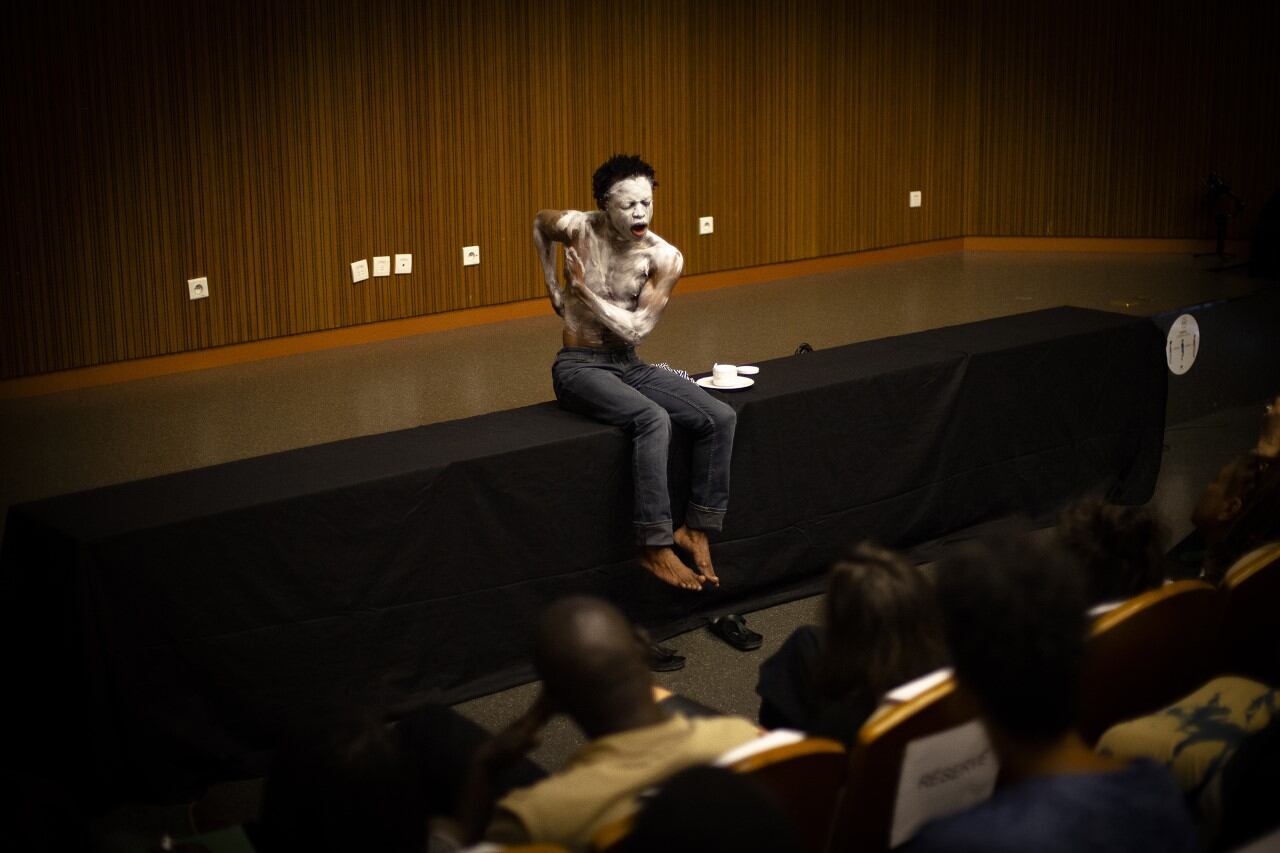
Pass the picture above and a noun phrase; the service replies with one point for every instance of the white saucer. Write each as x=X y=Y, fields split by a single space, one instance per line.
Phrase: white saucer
x=739 y=383
x=747 y=370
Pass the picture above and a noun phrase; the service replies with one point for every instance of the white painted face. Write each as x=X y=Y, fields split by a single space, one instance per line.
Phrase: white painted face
x=630 y=207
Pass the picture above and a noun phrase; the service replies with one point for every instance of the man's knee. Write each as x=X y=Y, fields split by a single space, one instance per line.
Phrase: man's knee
x=723 y=418
x=651 y=420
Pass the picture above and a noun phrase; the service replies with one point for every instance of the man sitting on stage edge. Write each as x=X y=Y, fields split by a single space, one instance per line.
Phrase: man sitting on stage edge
x=619 y=277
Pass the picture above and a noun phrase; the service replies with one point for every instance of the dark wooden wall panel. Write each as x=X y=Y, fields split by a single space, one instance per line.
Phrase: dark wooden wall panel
x=269 y=144
x=1103 y=118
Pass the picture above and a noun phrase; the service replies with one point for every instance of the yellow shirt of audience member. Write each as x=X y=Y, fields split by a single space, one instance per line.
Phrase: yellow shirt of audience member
x=600 y=783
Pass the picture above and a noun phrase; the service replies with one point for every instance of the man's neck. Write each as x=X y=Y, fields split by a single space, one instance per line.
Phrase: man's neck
x=1021 y=759
x=641 y=717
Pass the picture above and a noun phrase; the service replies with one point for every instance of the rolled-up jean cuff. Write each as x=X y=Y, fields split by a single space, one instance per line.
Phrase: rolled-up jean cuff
x=654 y=534
x=702 y=518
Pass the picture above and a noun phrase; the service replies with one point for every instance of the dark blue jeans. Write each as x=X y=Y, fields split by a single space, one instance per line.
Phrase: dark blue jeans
x=616 y=387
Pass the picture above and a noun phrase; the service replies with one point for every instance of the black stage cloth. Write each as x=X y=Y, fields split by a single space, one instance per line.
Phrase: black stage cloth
x=167 y=631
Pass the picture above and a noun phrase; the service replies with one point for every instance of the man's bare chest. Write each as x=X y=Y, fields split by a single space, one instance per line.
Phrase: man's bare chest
x=619 y=276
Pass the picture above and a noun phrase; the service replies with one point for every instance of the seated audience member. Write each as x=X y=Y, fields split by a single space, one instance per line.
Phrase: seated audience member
x=1240 y=509
x=1015 y=622
x=1120 y=547
x=594 y=669
x=710 y=808
x=346 y=785
x=881 y=629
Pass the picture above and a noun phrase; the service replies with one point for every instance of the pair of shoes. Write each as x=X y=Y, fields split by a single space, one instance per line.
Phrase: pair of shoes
x=664 y=659
x=733 y=629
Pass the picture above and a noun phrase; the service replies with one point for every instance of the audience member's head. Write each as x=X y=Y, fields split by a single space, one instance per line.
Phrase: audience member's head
x=1238 y=511
x=1015 y=622
x=344 y=784
x=593 y=665
x=710 y=808
x=882 y=624
x=1225 y=498
x=1120 y=547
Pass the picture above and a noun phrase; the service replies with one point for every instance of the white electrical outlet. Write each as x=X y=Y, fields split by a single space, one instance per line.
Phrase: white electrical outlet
x=359 y=271
x=914 y=199
x=404 y=264
x=706 y=224
x=470 y=256
x=381 y=266
x=198 y=288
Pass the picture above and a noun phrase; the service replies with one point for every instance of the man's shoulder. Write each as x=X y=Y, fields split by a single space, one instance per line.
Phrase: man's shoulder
x=662 y=254
x=571 y=222
x=577 y=222
x=732 y=731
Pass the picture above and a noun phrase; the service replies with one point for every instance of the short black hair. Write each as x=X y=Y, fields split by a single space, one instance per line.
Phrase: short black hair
x=619 y=167
x=592 y=664
x=1014 y=616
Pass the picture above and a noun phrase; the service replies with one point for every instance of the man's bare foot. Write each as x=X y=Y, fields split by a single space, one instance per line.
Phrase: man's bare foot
x=666 y=566
x=695 y=542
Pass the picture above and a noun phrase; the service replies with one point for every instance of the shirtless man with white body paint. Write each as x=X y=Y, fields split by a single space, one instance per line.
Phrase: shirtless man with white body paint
x=619 y=276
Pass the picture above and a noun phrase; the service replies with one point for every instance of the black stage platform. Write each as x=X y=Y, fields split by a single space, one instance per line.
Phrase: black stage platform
x=165 y=632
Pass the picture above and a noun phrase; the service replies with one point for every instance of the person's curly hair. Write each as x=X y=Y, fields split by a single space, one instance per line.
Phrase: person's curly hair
x=1122 y=547
x=619 y=167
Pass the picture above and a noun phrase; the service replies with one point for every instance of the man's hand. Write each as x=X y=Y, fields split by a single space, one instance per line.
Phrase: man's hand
x=517 y=739
x=575 y=270
x=476 y=796
x=574 y=267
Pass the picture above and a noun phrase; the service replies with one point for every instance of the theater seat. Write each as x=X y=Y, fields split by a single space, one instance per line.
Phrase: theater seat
x=804 y=775
x=937 y=729
x=1251 y=626
x=1147 y=652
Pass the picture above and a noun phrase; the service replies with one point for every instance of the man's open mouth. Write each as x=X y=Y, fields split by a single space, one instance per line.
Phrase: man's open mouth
x=639 y=230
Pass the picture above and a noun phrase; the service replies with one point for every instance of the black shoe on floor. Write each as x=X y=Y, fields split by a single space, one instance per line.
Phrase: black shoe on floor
x=664 y=659
x=733 y=629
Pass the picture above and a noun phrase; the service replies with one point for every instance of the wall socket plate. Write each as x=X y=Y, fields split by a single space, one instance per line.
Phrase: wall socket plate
x=381 y=266
x=470 y=256
x=359 y=271
x=198 y=288
x=706 y=224
x=404 y=264
x=914 y=198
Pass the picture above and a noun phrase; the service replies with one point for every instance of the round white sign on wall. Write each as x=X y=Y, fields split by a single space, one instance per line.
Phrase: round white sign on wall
x=1183 y=344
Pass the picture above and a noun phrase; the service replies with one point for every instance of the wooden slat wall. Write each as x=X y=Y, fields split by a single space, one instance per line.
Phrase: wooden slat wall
x=1105 y=118
x=269 y=144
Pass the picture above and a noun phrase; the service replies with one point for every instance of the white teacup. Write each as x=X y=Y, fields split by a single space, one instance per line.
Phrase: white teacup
x=724 y=374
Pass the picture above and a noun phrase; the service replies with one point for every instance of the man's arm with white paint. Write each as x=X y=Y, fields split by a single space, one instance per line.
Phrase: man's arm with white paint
x=629 y=324
x=546 y=233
